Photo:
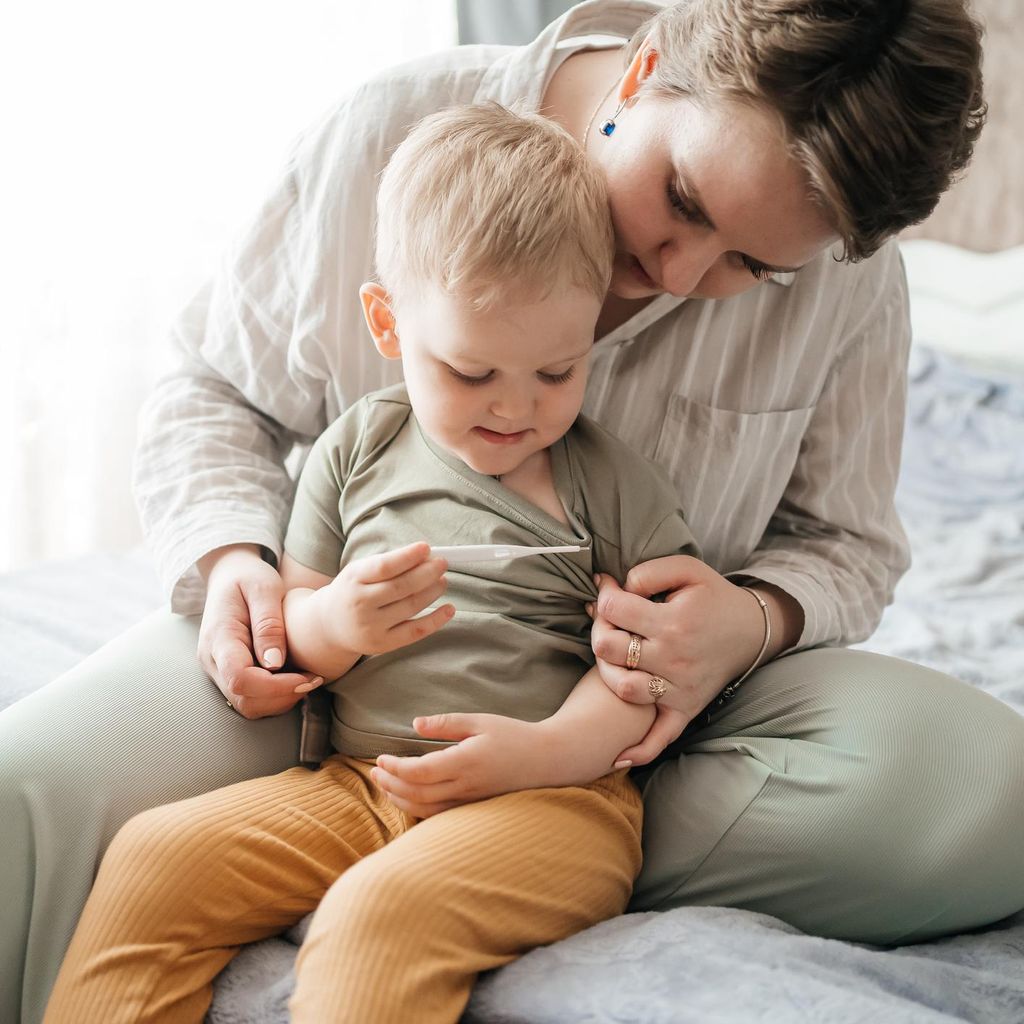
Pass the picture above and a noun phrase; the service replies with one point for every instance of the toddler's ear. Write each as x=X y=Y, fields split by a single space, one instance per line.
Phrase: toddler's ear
x=380 y=319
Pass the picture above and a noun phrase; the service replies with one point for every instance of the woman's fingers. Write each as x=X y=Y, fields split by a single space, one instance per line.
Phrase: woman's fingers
x=256 y=693
x=258 y=684
x=626 y=611
x=230 y=656
x=667 y=727
x=263 y=596
x=631 y=686
x=612 y=645
x=661 y=574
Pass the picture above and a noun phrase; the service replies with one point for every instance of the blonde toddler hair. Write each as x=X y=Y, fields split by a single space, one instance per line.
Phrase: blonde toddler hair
x=492 y=206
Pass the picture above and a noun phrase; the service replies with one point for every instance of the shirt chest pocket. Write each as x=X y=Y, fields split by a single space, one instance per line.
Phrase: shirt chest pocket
x=731 y=469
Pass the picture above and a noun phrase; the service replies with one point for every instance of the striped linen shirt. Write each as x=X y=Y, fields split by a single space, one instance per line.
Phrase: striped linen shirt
x=778 y=413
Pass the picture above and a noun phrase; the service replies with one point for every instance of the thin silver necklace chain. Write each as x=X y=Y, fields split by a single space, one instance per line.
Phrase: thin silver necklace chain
x=597 y=110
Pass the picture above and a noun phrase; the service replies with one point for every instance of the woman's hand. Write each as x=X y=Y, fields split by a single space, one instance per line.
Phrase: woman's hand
x=666 y=728
x=492 y=755
x=706 y=633
x=243 y=616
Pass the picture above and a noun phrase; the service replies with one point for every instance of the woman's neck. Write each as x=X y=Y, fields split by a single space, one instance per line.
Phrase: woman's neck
x=577 y=88
x=581 y=84
x=615 y=312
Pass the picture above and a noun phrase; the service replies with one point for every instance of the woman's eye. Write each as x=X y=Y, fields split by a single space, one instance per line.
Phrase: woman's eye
x=470 y=380
x=762 y=273
x=558 y=378
x=680 y=206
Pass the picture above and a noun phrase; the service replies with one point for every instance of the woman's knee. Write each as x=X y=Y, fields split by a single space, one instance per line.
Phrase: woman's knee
x=879 y=802
x=947 y=777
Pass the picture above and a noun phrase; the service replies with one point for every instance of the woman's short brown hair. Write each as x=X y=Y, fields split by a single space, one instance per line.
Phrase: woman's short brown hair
x=881 y=100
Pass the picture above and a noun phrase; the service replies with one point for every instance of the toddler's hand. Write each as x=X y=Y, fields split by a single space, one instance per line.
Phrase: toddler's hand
x=370 y=604
x=493 y=755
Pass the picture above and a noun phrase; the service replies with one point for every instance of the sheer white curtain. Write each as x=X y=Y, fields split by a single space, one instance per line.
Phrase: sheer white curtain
x=138 y=137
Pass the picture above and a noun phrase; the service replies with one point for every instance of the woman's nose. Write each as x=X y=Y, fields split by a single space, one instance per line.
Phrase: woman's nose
x=684 y=264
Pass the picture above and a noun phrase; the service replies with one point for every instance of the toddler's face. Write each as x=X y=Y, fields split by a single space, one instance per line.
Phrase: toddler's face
x=495 y=387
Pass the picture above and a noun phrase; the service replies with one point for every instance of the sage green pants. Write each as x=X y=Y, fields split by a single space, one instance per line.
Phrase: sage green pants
x=849 y=794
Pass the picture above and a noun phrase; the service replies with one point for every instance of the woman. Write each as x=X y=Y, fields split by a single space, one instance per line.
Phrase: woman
x=849 y=794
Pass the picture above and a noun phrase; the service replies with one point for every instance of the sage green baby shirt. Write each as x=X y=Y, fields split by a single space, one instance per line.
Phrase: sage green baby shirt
x=520 y=638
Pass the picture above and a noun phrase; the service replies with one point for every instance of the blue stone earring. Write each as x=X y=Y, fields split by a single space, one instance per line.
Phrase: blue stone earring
x=609 y=126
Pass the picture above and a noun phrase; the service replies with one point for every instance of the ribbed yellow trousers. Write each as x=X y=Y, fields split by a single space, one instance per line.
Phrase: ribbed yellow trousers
x=408 y=911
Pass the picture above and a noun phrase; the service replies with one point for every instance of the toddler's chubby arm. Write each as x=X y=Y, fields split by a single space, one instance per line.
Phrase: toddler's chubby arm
x=494 y=754
x=585 y=737
x=366 y=609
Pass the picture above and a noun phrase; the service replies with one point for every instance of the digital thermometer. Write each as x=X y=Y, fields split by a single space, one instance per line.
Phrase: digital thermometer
x=464 y=554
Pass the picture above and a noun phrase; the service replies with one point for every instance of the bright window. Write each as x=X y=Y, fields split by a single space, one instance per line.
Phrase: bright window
x=138 y=136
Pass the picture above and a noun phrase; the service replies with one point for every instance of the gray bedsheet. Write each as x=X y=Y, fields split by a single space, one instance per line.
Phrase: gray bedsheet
x=960 y=609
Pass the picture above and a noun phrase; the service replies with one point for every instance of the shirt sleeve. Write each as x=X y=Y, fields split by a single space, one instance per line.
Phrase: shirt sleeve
x=250 y=369
x=671 y=534
x=835 y=542
x=670 y=537
x=316 y=535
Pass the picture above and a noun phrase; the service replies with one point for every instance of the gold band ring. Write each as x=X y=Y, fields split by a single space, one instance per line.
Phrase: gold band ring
x=633 y=653
x=657 y=687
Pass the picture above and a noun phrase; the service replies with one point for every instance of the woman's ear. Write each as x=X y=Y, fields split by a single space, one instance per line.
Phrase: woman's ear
x=640 y=69
x=380 y=318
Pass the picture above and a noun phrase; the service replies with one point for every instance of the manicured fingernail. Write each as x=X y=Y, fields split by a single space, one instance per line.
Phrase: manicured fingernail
x=622 y=764
x=590 y=609
x=273 y=658
x=312 y=685
x=597 y=578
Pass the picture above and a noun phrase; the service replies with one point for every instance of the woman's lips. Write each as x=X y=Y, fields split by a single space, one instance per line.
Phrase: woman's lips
x=495 y=438
x=642 y=276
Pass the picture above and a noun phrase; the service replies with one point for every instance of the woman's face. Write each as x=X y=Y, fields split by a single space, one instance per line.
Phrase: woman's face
x=705 y=199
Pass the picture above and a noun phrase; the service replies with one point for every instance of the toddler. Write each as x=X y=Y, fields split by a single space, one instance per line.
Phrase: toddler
x=494 y=251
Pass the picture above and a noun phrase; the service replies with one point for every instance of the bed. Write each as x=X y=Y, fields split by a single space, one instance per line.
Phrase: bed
x=959 y=609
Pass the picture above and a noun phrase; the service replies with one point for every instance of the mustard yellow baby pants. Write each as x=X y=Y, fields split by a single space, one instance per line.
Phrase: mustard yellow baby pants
x=408 y=911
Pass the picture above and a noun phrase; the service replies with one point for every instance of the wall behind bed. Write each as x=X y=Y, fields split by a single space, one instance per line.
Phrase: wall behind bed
x=965 y=264
x=985 y=211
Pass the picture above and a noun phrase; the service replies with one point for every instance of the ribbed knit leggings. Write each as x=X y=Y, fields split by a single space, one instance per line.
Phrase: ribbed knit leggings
x=408 y=912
